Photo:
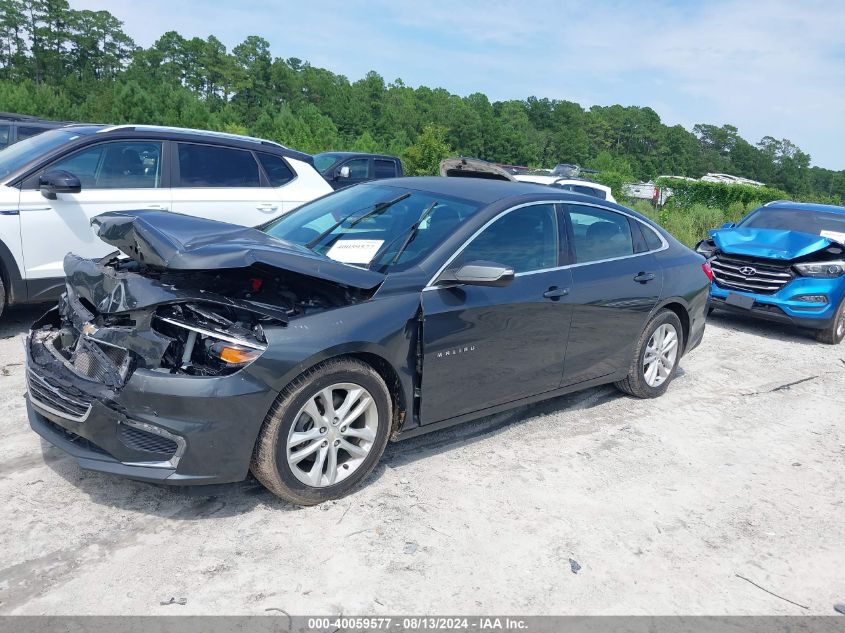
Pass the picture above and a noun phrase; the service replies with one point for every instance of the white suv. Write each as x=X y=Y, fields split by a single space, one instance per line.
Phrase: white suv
x=53 y=184
x=576 y=185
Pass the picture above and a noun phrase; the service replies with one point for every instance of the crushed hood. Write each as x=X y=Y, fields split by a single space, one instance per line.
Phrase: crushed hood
x=461 y=167
x=173 y=241
x=768 y=243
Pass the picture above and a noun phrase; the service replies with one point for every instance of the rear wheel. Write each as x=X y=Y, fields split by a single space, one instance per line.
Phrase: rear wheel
x=325 y=433
x=656 y=357
x=834 y=333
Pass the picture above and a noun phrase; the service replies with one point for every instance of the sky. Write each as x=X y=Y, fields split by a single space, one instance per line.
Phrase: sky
x=769 y=67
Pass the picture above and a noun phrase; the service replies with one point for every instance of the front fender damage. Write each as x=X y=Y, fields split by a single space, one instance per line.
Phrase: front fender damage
x=118 y=315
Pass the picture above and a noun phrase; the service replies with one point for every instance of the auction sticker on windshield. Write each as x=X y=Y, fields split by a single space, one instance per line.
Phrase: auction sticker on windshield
x=354 y=251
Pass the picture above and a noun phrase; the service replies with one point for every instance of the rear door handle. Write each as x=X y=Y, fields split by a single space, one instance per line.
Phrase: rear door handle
x=554 y=293
x=160 y=207
x=267 y=206
x=644 y=277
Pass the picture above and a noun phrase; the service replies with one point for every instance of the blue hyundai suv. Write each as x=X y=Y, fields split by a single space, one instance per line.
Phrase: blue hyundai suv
x=783 y=262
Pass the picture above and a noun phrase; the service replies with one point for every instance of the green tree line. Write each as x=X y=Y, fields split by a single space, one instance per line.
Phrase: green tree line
x=80 y=65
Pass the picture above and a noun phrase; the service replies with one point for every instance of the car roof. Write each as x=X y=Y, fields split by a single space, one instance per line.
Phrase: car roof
x=25 y=118
x=199 y=136
x=482 y=190
x=805 y=206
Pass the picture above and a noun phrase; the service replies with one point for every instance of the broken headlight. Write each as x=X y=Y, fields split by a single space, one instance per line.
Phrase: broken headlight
x=209 y=340
x=824 y=270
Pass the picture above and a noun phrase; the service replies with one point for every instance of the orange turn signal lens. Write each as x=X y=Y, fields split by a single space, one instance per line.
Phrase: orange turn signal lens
x=238 y=355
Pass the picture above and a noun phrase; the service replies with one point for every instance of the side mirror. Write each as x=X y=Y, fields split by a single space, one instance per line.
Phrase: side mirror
x=479 y=274
x=727 y=225
x=54 y=182
x=343 y=172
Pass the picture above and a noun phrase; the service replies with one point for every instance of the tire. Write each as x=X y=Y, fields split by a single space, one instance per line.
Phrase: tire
x=290 y=470
x=2 y=294
x=834 y=333
x=637 y=382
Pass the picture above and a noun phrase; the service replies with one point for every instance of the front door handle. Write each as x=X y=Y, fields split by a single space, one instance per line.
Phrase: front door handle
x=160 y=207
x=644 y=277
x=554 y=293
x=267 y=206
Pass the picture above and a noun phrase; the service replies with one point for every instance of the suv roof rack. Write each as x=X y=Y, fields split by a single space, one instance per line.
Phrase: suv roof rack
x=185 y=130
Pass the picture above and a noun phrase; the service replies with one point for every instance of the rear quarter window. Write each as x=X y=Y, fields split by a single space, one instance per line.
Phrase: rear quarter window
x=652 y=240
x=277 y=170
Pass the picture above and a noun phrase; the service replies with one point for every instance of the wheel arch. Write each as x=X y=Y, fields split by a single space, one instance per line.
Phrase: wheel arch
x=391 y=378
x=11 y=276
x=681 y=310
x=398 y=387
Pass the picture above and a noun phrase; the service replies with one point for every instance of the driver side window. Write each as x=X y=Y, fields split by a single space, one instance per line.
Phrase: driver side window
x=525 y=239
x=117 y=165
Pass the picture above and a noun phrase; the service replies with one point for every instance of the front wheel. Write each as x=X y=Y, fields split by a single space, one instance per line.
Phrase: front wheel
x=834 y=333
x=656 y=357
x=325 y=433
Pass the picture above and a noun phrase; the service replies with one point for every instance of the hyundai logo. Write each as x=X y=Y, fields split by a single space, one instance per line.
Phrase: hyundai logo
x=748 y=271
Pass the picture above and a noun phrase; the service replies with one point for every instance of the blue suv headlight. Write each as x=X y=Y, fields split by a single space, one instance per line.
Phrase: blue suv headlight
x=823 y=270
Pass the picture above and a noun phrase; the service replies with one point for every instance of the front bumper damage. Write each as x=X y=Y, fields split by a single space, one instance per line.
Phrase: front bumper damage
x=157 y=427
x=116 y=411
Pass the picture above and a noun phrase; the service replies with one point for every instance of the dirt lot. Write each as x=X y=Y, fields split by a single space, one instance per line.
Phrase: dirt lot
x=738 y=470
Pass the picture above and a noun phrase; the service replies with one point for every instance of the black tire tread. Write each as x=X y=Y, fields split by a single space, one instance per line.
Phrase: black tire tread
x=634 y=383
x=263 y=464
x=828 y=335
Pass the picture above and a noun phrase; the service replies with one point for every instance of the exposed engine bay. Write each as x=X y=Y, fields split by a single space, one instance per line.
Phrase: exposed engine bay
x=118 y=314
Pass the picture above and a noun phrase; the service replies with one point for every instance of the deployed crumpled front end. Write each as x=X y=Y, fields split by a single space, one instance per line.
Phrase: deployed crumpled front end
x=148 y=361
x=777 y=275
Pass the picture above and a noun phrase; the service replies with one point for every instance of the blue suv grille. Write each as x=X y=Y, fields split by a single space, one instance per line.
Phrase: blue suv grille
x=749 y=274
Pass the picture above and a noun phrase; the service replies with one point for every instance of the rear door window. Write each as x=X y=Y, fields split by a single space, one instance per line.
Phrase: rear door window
x=4 y=135
x=207 y=166
x=385 y=168
x=599 y=234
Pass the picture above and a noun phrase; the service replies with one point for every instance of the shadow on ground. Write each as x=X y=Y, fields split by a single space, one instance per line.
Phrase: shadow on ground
x=192 y=503
x=16 y=320
x=763 y=329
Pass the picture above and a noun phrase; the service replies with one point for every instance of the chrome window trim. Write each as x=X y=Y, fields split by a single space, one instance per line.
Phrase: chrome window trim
x=664 y=244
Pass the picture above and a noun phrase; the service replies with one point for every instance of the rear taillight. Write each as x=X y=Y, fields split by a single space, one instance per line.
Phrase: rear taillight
x=707 y=270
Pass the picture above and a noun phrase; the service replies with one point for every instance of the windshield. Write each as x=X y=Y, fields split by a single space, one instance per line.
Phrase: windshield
x=830 y=225
x=17 y=156
x=374 y=226
x=323 y=161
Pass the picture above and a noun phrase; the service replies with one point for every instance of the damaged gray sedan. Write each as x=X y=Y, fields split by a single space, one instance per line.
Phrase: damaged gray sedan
x=200 y=350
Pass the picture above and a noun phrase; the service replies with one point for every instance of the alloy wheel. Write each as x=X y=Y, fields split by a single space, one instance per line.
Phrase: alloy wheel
x=332 y=434
x=660 y=356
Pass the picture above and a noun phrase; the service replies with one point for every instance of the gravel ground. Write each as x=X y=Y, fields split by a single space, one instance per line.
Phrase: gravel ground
x=592 y=503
